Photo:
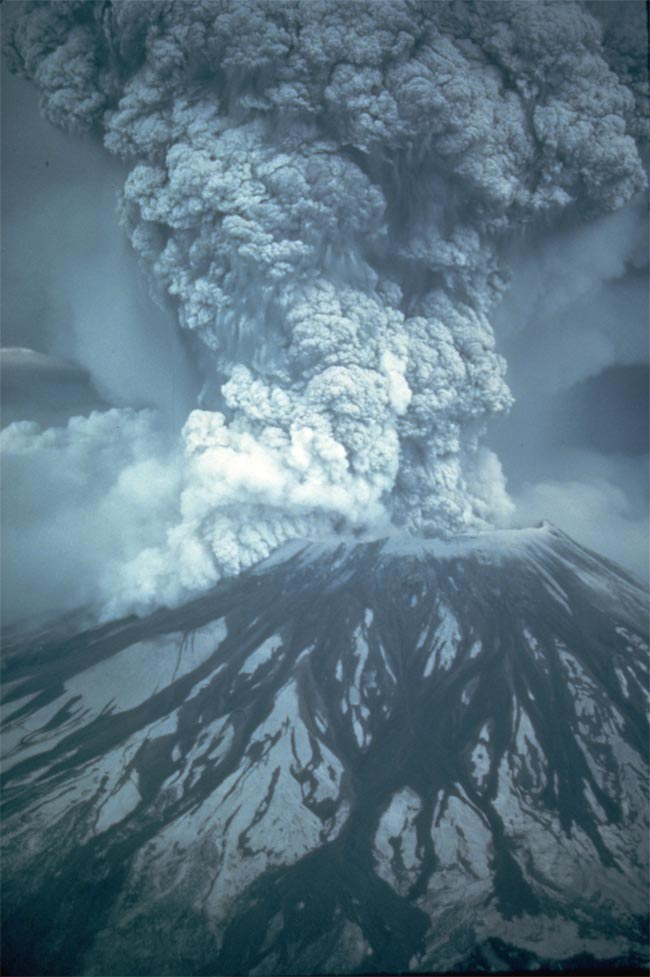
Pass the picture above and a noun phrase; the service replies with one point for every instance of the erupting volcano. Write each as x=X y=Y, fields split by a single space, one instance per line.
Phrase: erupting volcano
x=289 y=687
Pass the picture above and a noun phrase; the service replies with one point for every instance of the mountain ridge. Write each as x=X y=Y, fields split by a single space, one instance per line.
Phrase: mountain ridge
x=370 y=757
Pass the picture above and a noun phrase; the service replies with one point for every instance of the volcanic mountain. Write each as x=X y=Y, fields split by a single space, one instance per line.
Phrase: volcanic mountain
x=354 y=758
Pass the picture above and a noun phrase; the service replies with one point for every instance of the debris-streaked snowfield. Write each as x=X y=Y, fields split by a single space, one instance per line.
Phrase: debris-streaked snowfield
x=280 y=746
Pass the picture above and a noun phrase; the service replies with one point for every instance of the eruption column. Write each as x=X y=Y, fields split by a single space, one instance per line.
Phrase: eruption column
x=324 y=188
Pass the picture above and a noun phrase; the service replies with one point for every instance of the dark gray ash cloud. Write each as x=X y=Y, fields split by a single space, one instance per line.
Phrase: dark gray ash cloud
x=331 y=195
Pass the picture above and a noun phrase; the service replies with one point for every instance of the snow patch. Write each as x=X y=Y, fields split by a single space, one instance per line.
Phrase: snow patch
x=384 y=658
x=475 y=650
x=395 y=851
x=461 y=840
x=480 y=757
x=119 y=805
x=446 y=641
x=623 y=682
x=263 y=654
x=132 y=676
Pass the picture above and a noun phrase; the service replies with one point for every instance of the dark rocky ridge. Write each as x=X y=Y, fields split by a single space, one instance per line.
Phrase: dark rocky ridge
x=360 y=758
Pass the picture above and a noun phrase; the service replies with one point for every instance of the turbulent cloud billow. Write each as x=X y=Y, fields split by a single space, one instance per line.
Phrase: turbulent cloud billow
x=325 y=189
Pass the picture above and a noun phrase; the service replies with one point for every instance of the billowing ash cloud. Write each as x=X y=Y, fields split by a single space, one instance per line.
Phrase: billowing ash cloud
x=324 y=188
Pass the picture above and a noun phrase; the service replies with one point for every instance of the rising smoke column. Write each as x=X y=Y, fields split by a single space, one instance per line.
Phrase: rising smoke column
x=324 y=189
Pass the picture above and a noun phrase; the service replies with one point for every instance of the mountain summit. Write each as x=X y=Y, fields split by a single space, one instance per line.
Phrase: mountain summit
x=354 y=758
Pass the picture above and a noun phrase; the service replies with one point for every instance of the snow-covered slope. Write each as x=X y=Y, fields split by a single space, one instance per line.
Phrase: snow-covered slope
x=375 y=757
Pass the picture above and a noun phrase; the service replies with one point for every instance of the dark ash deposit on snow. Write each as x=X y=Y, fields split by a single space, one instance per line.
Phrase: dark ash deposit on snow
x=352 y=759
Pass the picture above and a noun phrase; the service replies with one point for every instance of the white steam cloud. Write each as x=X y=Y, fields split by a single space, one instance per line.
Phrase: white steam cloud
x=78 y=495
x=324 y=189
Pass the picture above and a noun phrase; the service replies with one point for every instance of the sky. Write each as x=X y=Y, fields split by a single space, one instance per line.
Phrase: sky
x=574 y=331
x=115 y=490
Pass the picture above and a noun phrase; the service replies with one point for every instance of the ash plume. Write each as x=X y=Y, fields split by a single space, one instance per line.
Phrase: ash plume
x=325 y=190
